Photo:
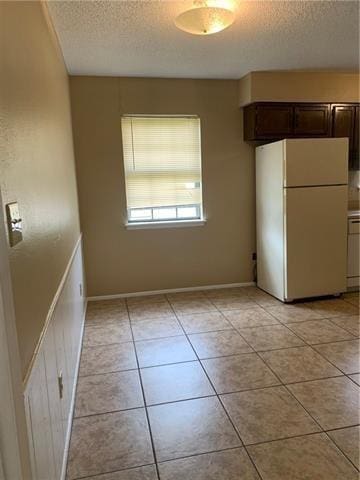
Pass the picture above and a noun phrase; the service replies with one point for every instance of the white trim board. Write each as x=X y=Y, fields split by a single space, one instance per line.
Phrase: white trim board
x=170 y=290
x=9 y=440
x=13 y=433
x=72 y=404
x=166 y=224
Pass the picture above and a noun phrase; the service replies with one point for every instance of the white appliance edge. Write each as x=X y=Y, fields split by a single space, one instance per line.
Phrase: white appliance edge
x=301 y=207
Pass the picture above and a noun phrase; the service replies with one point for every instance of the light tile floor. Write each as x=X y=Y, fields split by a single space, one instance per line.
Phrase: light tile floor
x=218 y=385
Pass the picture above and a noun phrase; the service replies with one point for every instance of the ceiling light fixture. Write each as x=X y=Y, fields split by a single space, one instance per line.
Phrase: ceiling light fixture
x=203 y=19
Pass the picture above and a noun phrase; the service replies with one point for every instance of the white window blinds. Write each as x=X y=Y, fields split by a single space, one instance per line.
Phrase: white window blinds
x=162 y=162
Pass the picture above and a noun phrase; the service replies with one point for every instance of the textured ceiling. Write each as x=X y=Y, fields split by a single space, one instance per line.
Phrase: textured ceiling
x=138 y=38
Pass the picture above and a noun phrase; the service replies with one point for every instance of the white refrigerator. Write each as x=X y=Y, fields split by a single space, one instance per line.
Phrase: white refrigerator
x=301 y=217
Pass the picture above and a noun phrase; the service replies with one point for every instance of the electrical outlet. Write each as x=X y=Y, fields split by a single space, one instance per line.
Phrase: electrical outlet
x=254 y=257
x=60 y=385
x=81 y=289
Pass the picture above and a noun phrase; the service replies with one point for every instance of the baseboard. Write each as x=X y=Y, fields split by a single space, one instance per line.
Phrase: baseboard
x=72 y=405
x=170 y=290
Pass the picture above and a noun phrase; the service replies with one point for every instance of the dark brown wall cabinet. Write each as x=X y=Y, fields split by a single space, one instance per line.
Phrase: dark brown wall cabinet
x=273 y=120
x=346 y=123
x=264 y=122
x=269 y=121
x=311 y=120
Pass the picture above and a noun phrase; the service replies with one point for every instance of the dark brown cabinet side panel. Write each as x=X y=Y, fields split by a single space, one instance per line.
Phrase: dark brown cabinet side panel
x=312 y=120
x=355 y=157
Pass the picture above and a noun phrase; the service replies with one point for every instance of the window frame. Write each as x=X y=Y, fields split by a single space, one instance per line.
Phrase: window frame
x=170 y=221
x=197 y=206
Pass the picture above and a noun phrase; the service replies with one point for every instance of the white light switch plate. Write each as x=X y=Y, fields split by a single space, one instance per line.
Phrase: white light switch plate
x=14 y=223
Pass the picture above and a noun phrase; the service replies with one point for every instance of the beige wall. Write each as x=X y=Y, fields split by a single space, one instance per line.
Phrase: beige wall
x=299 y=87
x=36 y=163
x=119 y=260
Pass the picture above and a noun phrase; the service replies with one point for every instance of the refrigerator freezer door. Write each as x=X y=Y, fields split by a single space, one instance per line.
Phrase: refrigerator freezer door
x=316 y=241
x=318 y=161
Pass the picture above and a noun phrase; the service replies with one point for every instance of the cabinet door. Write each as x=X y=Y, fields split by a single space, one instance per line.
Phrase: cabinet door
x=353 y=268
x=312 y=120
x=343 y=125
x=343 y=122
x=274 y=121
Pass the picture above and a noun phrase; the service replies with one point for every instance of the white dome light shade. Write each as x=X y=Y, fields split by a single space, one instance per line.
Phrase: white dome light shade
x=205 y=20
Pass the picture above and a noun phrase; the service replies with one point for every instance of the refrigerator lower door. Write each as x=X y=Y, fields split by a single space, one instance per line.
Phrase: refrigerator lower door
x=315 y=241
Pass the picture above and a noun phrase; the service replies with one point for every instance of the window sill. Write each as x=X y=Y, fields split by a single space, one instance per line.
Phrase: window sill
x=169 y=224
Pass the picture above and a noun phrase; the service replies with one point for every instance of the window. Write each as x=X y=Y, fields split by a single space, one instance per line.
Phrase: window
x=162 y=162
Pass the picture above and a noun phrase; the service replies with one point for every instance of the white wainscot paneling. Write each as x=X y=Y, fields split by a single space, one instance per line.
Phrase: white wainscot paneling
x=48 y=415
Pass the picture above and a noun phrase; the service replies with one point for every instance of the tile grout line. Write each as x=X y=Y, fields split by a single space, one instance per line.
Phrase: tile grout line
x=135 y=408
x=216 y=394
x=202 y=453
x=260 y=351
x=342 y=428
x=143 y=394
x=223 y=312
x=113 y=471
x=327 y=343
x=75 y=395
x=324 y=431
x=230 y=419
x=311 y=346
x=314 y=419
x=276 y=376
x=317 y=344
x=231 y=392
x=135 y=369
x=227 y=330
x=285 y=324
x=300 y=404
x=216 y=451
x=354 y=381
x=332 y=320
x=221 y=403
x=338 y=448
x=352 y=337
x=305 y=409
x=309 y=434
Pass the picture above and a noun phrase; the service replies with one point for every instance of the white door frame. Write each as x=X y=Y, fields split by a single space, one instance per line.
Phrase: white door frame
x=2 y=474
x=14 y=449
